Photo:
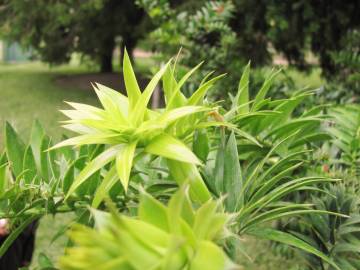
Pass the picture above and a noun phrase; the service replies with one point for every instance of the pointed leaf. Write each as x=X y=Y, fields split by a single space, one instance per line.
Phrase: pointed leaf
x=140 y=108
x=153 y=212
x=107 y=183
x=199 y=94
x=95 y=165
x=37 y=134
x=15 y=149
x=209 y=256
x=177 y=99
x=120 y=100
x=291 y=240
x=124 y=161
x=242 y=96
x=29 y=166
x=132 y=87
x=169 y=84
x=175 y=114
x=167 y=146
x=183 y=172
x=232 y=175
x=201 y=144
x=263 y=90
x=110 y=104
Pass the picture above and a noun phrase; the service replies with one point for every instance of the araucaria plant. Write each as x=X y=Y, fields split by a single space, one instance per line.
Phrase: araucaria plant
x=183 y=183
x=176 y=236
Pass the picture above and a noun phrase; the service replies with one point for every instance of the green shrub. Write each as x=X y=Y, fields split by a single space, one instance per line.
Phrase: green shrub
x=241 y=162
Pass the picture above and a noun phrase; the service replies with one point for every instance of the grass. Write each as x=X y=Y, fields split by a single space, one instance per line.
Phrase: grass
x=28 y=92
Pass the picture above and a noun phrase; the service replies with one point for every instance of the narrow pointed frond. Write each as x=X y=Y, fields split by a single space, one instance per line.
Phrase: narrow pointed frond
x=107 y=183
x=199 y=94
x=175 y=114
x=242 y=96
x=77 y=115
x=96 y=138
x=152 y=211
x=169 y=83
x=260 y=96
x=124 y=161
x=291 y=240
x=204 y=219
x=101 y=125
x=207 y=76
x=187 y=76
x=87 y=109
x=183 y=172
x=218 y=257
x=131 y=84
x=110 y=105
x=167 y=146
x=121 y=101
x=178 y=99
x=93 y=166
x=78 y=128
x=137 y=115
x=246 y=135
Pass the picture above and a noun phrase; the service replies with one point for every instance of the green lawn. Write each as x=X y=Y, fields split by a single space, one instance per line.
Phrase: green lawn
x=28 y=93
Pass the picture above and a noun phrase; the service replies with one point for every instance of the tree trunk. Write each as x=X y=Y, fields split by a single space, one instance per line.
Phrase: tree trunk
x=106 y=64
x=107 y=55
x=156 y=98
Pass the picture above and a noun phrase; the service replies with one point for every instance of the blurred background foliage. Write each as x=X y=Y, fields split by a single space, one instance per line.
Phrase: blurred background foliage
x=227 y=34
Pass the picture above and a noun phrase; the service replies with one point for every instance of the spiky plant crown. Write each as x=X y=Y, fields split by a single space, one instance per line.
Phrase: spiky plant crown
x=130 y=129
x=175 y=237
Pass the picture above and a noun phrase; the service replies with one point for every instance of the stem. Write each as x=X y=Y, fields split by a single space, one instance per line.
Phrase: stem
x=186 y=172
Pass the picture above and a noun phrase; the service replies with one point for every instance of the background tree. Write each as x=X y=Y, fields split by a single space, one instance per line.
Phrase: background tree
x=322 y=27
x=56 y=29
x=261 y=27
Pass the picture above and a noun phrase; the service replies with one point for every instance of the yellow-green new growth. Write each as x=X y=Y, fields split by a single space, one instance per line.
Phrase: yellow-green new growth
x=176 y=237
x=129 y=128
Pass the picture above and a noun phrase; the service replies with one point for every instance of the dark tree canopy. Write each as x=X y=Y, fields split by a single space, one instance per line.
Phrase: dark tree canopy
x=56 y=29
x=291 y=28
x=322 y=27
x=255 y=29
x=294 y=28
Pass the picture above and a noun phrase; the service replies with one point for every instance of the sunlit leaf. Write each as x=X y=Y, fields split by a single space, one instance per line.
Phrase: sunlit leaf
x=124 y=161
x=132 y=87
x=96 y=164
x=167 y=146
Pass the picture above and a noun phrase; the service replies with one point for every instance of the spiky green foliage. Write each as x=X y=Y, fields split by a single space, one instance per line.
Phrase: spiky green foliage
x=254 y=164
x=261 y=194
x=131 y=130
x=258 y=180
x=345 y=129
x=337 y=237
x=271 y=121
x=32 y=178
x=33 y=181
x=176 y=236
